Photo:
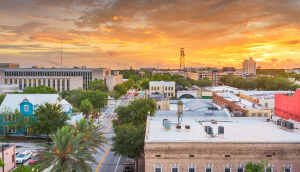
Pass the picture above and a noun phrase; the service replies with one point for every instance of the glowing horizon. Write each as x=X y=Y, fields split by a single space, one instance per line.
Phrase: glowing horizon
x=118 y=34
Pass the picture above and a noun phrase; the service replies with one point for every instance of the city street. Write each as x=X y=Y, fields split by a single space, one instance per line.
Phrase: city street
x=107 y=162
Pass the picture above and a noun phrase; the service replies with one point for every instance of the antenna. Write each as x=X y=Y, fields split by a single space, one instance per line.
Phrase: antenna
x=182 y=59
x=60 y=54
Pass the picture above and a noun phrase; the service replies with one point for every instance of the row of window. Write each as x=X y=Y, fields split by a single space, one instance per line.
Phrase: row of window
x=23 y=83
x=193 y=169
x=169 y=94
x=48 y=73
x=157 y=88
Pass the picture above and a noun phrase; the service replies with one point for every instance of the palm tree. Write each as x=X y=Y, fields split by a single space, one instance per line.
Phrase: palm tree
x=92 y=134
x=68 y=152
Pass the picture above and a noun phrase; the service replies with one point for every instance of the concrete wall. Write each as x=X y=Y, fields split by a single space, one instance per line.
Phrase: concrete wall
x=200 y=155
x=9 y=158
x=163 y=104
x=112 y=80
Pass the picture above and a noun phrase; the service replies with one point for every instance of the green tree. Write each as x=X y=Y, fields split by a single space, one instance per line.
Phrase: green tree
x=1 y=163
x=2 y=96
x=86 y=107
x=64 y=94
x=68 y=152
x=129 y=141
x=98 y=84
x=183 y=82
x=75 y=97
x=258 y=167
x=91 y=133
x=136 y=111
x=156 y=77
x=114 y=94
x=121 y=89
x=47 y=118
x=39 y=90
x=145 y=85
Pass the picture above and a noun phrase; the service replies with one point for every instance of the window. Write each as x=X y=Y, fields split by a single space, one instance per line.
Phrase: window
x=240 y=170
x=259 y=115
x=266 y=115
x=169 y=88
x=158 y=107
x=174 y=169
x=166 y=88
x=269 y=169
x=287 y=170
x=208 y=170
x=26 y=108
x=253 y=114
x=227 y=170
x=157 y=88
x=266 y=104
x=192 y=170
x=157 y=170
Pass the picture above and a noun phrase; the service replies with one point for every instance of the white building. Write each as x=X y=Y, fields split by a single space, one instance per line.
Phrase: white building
x=249 y=66
x=60 y=79
x=163 y=87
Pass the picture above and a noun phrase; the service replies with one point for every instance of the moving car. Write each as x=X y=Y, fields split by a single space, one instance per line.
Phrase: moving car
x=22 y=157
x=36 y=157
x=128 y=167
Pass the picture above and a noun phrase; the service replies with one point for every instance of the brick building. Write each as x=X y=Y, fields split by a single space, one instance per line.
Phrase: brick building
x=191 y=149
x=235 y=103
x=288 y=107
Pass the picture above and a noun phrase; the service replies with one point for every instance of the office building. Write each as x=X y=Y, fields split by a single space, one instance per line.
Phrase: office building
x=249 y=67
x=166 y=88
x=9 y=65
x=60 y=79
x=221 y=144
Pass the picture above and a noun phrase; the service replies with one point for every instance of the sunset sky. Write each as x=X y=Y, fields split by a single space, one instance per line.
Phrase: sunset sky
x=149 y=33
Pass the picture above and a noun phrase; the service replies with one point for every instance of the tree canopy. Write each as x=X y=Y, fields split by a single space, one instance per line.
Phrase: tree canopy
x=86 y=107
x=2 y=97
x=38 y=90
x=47 y=118
x=98 y=84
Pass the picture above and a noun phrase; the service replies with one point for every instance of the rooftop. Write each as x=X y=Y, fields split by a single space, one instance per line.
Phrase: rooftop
x=263 y=94
x=246 y=104
x=236 y=129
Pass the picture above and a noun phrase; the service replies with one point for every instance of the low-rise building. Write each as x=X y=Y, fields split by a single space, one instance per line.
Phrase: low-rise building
x=162 y=102
x=8 y=88
x=287 y=106
x=26 y=104
x=9 y=158
x=221 y=144
x=162 y=87
x=236 y=104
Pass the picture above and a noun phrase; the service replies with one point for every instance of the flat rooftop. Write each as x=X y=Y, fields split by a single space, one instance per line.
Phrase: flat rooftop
x=244 y=103
x=236 y=129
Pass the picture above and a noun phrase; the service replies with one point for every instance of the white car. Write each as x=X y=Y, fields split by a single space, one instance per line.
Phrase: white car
x=22 y=157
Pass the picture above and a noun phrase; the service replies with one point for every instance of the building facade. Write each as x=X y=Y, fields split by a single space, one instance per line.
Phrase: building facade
x=163 y=87
x=288 y=107
x=189 y=148
x=26 y=104
x=60 y=79
x=215 y=77
x=249 y=66
x=9 y=152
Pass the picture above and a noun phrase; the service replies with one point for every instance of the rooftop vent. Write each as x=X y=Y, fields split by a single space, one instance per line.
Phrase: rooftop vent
x=209 y=130
x=187 y=127
x=178 y=128
x=221 y=130
x=167 y=125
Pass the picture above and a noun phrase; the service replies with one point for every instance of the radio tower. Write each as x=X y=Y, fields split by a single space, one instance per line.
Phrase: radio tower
x=182 y=60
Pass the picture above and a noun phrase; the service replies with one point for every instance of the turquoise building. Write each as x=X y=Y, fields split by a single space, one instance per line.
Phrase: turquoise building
x=26 y=104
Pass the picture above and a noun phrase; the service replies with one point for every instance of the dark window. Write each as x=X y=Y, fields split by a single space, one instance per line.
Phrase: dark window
x=192 y=155
x=269 y=155
x=227 y=170
x=287 y=170
x=227 y=155
x=158 y=155
x=240 y=170
x=191 y=169
x=157 y=169
x=175 y=169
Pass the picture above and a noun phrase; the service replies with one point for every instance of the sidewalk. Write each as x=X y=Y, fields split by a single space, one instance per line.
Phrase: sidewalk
x=142 y=163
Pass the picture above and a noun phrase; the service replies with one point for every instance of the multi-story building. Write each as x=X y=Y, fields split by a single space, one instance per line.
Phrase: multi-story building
x=60 y=79
x=295 y=70
x=26 y=104
x=162 y=102
x=288 y=107
x=193 y=75
x=249 y=66
x=163 y=87
x=9 y=65
x=219 y=144
x=215 y=77
x=236 y=104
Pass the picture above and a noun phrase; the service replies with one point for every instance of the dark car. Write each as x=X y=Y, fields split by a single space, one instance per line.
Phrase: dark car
x=128 y=167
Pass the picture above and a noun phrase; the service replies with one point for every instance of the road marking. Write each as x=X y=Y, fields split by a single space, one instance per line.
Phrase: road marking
x=117 y=164
x=98 y=168
x=107 y=130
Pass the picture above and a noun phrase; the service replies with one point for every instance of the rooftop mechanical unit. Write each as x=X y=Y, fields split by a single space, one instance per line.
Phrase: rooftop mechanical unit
x=221 y=130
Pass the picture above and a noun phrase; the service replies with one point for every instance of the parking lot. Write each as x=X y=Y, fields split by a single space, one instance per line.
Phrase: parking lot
x=21 y=147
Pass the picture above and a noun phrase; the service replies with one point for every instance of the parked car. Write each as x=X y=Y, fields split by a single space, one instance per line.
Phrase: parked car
x=22 y=157
x=49 y=141
x=36 y=157
x=128 y=167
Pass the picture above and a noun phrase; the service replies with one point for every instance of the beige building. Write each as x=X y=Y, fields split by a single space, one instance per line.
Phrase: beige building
x=227 y=145
x=60 y=79
x=249 y=66
x=162 y=102
x=194 y=76
x=9 y=152
x=163 y=87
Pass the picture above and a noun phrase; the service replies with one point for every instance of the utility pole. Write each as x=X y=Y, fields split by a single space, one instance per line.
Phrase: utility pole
x=60 y=54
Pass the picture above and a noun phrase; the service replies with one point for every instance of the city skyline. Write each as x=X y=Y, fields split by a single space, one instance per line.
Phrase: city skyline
x=123 y=33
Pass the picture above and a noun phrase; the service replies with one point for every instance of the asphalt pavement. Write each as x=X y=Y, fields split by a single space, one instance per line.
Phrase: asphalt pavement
x=106 y=161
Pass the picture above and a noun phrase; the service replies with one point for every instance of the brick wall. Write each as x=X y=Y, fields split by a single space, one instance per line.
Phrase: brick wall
x=213 y=154
x=218 y=100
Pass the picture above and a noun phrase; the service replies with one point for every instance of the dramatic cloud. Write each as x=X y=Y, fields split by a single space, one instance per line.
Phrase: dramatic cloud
x=143 y=33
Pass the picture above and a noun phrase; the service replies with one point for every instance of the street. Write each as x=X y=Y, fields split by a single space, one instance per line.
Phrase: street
x=107 y=162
